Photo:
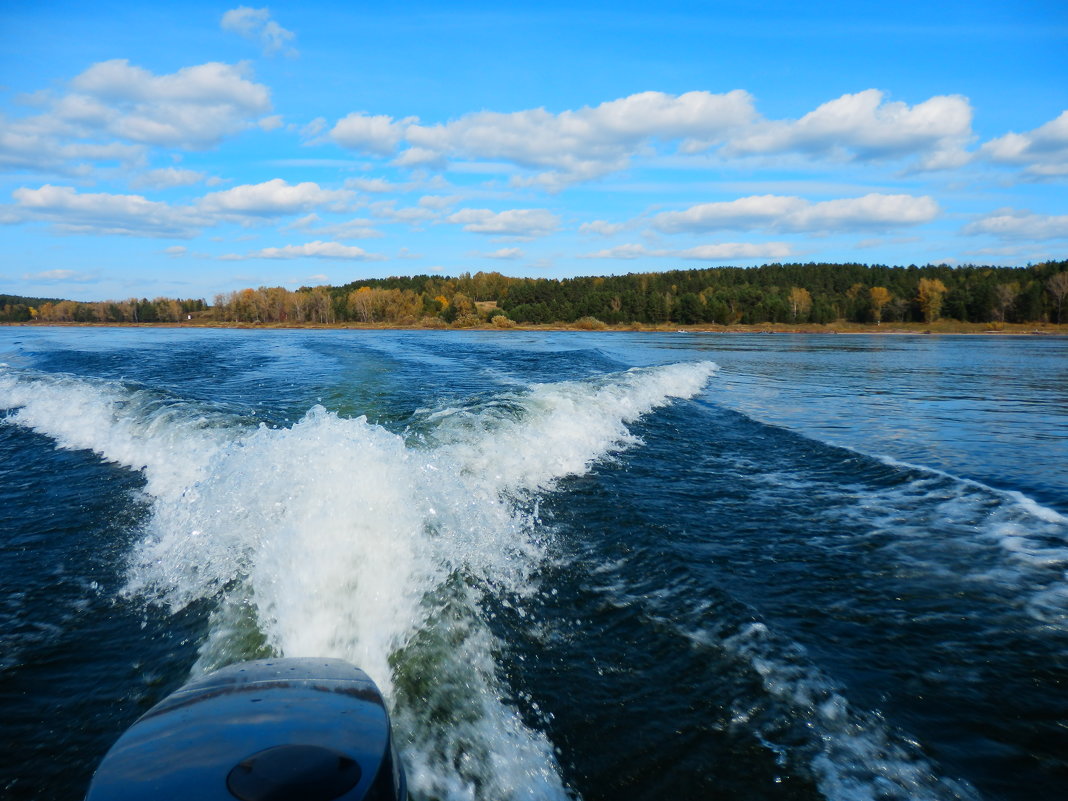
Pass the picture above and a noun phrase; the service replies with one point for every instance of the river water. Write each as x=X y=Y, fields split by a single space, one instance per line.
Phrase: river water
x=593 y=566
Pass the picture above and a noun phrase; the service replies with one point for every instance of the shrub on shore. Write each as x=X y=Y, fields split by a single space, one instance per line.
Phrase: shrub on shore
x=590 y=324
x=466 y=321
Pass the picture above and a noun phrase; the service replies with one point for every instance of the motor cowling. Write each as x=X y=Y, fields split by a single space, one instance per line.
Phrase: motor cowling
x=268 y=730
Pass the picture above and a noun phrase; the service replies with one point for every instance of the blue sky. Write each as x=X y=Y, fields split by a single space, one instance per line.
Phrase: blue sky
x=184 y=150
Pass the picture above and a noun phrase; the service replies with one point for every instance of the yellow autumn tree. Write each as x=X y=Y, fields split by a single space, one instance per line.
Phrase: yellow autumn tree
x=929 y=296
x=361 y=304
x=800 y=302
x=879 y=296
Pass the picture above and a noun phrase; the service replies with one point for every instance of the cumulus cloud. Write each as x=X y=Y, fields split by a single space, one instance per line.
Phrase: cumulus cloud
x=571 y=146
x=512 y=224
x=438 y=202
x=503 y=253
x=373 y=134
x=34 y=145
x=133 y=215
x=167 y=177
x=255 y=24
x=115 y=111
x=357 y=228
x=867 y=126
x=374 y=186
x=786 y=213
x=129 y=215
x=412 y=215
x=723 y=251
x=1021 y=224
x=274 y=198
x=194 y=108
x=601 y=227
x=317 y=250
x=582 y=144
x=1042 y=152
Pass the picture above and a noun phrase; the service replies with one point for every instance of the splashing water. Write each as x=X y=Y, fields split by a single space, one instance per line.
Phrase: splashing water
x=336 y=537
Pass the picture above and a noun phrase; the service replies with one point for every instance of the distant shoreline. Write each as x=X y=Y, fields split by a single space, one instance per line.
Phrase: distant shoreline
x=940 y=327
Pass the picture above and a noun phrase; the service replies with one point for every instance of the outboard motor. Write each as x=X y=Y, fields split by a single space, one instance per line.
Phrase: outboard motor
x=269 y=730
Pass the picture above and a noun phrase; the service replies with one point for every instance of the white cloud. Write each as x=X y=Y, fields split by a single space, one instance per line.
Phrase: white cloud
x=723 y=251
x=514 y=223
x=372 y=186
x=413 y=215
x=61 y=277
x=176 y=250
x=194 y=108
x=587 y=143
x=312 y=130
x=571 y=146
x=1043 y=152
x=33 y=145
x=115 y=111
x=866 y=126
x=271 y=123
x=503 y=253
x=778 y=212
x=167 y=177
x=1021 y=224
x=134 y=215
x=628 y=251
x=374 y=134
x=736 y=250
x=356 y=228
x=601 y=227
x=317 y=249
x=100 y=213
x=274 y=198
x=415 y=157
x=255 y=24
x=438 y=201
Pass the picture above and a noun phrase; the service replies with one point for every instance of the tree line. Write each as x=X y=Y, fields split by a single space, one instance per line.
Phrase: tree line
x=16 y=309
x=773 y=293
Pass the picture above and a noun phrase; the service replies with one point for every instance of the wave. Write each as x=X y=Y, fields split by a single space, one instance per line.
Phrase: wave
x=853 y=754
x=991 y=538
x=1005 y=545
x=337 y=537
x=795 y=710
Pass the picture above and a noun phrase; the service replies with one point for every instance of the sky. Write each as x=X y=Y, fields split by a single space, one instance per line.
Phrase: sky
x=196 y=148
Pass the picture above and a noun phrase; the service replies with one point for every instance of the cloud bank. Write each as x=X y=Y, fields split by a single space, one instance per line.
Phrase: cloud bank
x=587 y=143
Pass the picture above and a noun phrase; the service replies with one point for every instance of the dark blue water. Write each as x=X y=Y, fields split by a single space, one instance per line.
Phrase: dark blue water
x=580 y=565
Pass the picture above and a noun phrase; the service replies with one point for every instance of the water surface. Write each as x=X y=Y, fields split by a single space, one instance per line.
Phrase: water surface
x=579 y=565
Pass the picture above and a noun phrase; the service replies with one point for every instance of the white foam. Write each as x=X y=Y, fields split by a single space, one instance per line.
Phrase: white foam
x=853 y=754
x=336 y=537
x=1026 y=504
x=991 y=539
x=563 y=428
x=170 y=442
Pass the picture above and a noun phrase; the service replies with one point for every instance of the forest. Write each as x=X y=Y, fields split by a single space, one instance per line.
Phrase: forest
x=773 y=293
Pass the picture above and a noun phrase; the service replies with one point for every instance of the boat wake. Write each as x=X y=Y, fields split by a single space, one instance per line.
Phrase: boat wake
x=336 y=537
